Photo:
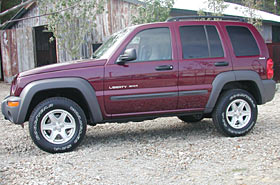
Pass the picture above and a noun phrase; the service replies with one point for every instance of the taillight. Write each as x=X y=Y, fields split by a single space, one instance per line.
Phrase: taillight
x=269 y=69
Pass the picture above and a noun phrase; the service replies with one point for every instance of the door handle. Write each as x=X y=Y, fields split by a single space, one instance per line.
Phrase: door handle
x=164 y=67
x=218 y=64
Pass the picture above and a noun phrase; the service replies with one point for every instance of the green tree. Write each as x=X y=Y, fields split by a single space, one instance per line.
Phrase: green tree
x=153 y=11
x=70 y=21
x=267 y=5
x=217 y=7
x=250 y=11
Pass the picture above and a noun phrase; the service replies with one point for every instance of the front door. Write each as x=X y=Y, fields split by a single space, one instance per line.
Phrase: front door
x=147 y=84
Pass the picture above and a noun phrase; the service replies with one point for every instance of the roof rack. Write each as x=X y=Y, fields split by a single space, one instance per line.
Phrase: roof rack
x=208 y=17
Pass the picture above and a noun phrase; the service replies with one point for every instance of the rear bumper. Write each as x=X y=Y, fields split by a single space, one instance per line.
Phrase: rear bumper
x=11 y=113
x=269 y=90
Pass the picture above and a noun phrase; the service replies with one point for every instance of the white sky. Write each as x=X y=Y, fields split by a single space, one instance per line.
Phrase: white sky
x=232 y=9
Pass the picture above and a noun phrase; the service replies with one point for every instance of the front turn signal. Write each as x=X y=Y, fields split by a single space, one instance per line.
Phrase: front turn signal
x=13 y=103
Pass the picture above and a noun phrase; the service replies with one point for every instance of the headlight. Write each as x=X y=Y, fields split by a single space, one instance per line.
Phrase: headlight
x=14 y=85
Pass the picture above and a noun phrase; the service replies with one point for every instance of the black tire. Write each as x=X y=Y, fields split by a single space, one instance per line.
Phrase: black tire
x=191 y=118
x=57 y=125
x=235 y=113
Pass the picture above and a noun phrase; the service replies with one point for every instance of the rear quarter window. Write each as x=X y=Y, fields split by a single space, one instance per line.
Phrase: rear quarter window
x=242 y=40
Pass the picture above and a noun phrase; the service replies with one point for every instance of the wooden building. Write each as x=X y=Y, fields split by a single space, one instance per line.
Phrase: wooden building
x=25 y=44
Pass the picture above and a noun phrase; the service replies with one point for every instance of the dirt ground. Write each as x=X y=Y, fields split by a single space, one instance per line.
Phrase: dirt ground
x=160 y=151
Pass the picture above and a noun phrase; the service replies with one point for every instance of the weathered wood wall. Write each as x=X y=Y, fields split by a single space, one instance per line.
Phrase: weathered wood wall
x=9 y=54
x=17 y=44
x=25 y=49
x=17 y=51
x=117 y=15
x=266 y=32
x=33 y=11
x=1 y=69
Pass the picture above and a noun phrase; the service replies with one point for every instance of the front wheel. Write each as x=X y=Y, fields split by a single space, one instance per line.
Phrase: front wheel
x=57 y=125
x=235 y=113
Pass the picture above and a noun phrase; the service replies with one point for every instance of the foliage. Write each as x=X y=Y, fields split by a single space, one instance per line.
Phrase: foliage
x=6 y=5
x=267 y=5
x=217 y=8
x=70 y=21
x=250 y=11
x=153 y=11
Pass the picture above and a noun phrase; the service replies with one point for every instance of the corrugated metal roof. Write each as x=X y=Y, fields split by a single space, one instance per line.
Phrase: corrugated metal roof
x=19 y=14
x=232 y=9
x=28 y=7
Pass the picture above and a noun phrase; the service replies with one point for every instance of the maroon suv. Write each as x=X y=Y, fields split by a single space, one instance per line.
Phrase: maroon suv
x=190 y=69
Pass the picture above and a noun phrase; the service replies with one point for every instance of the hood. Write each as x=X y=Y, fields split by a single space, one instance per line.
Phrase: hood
x=64 y=66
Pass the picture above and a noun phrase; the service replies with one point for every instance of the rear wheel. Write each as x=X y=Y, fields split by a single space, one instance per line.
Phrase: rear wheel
x=235 y=113
x=57 y=125
x=191 y=118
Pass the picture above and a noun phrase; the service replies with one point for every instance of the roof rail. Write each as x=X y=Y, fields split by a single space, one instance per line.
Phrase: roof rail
x=208 y=17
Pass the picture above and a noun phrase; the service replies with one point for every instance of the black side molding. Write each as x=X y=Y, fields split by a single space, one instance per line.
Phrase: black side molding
x=158 y=95
x=144 y=96
x=190 y=93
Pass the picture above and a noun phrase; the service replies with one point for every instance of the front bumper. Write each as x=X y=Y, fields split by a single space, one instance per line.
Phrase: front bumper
x=11 y=113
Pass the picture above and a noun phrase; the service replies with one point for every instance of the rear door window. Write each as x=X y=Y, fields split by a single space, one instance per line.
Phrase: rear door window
x=200 y=42
x=243 y=42
x=216 y=48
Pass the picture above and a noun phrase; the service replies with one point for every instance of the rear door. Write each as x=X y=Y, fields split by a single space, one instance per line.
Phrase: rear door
x=202 y=56
x=248 y=48
x=148 y=84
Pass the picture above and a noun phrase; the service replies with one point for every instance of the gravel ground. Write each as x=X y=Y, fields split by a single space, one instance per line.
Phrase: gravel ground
x=161 y=151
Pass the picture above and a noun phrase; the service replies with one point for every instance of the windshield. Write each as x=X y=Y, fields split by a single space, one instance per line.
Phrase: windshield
x=111 y=44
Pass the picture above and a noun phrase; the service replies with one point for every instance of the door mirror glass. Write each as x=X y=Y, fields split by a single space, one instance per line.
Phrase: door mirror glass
x=128 y=55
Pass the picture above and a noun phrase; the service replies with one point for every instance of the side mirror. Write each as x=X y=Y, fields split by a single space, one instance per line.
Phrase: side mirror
x=129 y=55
